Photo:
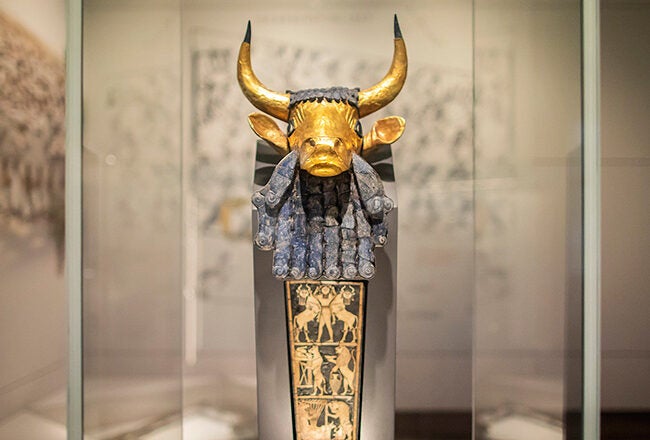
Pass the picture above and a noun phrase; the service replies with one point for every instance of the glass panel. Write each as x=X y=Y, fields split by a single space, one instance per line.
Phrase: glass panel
x=528 y=219
x=33 y=315
x=625 y=397
x=297 y=44
x=131 y=213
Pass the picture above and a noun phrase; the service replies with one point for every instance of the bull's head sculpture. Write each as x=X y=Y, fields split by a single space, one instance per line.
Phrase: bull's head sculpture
x=323 y=124
x=323 y=209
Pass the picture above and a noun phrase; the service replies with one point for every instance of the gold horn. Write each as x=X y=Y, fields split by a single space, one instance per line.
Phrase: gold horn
x=270 y=102
x=377 y=96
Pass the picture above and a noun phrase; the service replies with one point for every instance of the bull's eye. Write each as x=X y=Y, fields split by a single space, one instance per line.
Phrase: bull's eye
x=290 y=128
x=358 y=129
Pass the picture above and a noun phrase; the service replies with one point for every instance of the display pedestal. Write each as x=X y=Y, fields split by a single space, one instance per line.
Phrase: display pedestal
x=282 y=400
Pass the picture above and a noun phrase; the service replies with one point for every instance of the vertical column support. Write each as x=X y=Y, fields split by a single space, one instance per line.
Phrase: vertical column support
x=73 y=215
x=591 y=216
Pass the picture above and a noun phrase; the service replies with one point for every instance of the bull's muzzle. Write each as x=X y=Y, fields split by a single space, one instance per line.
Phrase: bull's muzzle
x=325 y=156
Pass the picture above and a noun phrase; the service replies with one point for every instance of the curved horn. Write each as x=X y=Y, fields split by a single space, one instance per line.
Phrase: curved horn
x=270 y=102
x=377 y=96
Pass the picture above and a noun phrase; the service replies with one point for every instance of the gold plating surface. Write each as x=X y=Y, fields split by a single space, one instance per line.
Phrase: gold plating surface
x=270 y=102
x=324 y=136
x=384 y=131
x=267 y=129
x=379 y=95
x=323 y=131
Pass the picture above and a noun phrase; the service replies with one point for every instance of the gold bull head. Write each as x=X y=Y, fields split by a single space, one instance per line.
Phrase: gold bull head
x=323 y=124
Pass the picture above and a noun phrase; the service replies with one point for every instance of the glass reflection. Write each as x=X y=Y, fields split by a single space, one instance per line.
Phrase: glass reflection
x=528 y=226
x=32 y=291
x=131 y=214
x=157 y=124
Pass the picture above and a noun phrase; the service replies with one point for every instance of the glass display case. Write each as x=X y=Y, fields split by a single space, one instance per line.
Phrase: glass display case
x=490 y=186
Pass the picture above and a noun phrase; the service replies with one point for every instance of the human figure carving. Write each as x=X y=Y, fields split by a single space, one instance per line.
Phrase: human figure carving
x=325 y=297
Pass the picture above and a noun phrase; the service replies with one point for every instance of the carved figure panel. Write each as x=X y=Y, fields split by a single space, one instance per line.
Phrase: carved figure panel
x=325 y=330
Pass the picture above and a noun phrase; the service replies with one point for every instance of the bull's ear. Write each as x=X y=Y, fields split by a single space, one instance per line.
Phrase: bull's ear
x=267 y=129
x=384 y=131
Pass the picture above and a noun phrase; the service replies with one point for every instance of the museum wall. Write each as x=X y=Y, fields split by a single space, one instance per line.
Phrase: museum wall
x=33 y=348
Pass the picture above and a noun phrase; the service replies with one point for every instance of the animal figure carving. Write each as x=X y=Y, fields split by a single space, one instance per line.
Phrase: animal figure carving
x=342 y=364
x=312 y=309
x=349 y=319
x=315 y=364
x=308 y=364
x=323 y=209
x=301 y=320
x=338 y=411
x=308 y=428
x=302 y=374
